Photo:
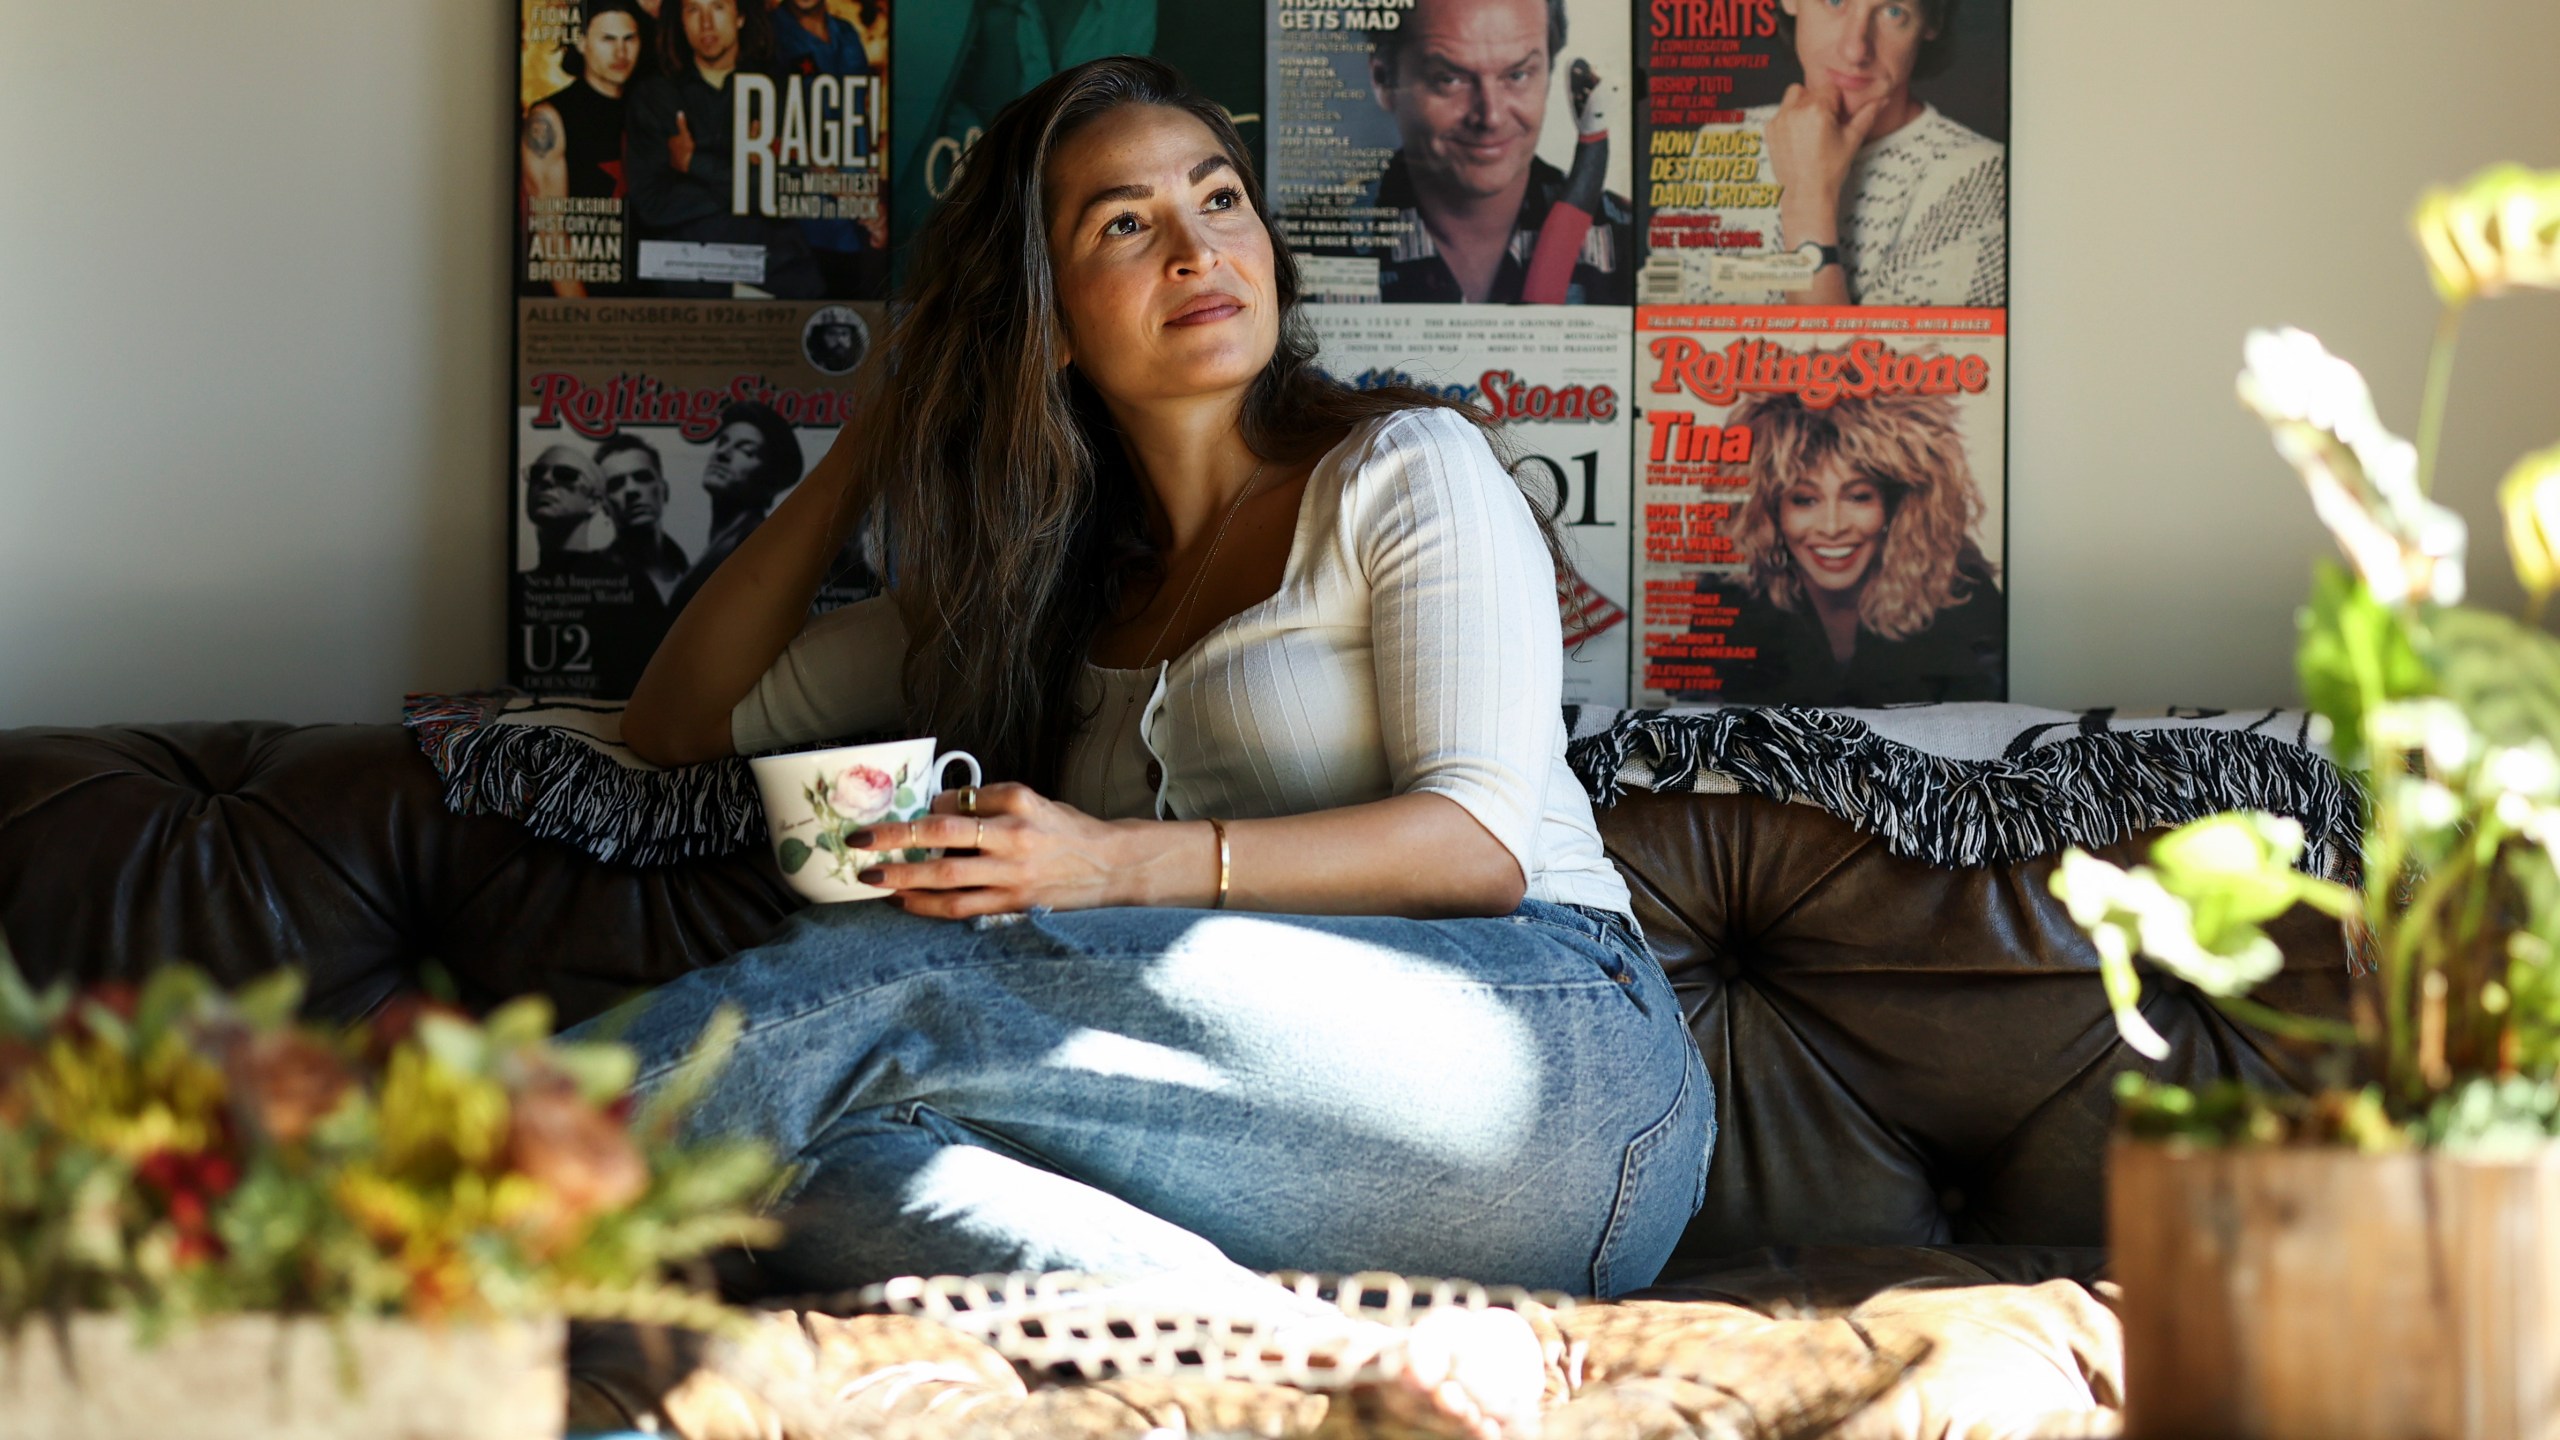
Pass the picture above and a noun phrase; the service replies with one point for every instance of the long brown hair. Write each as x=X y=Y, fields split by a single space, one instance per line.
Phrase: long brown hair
x=1010 y=517
x=1908 y=446
x=755 y=38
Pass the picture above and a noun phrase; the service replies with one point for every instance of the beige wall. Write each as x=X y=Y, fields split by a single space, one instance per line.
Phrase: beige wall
x=253 y=323
x=252 y=356
x=2184 y=170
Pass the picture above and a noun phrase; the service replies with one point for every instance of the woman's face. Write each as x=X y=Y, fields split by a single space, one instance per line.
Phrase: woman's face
x=1833 y=523
x=1164 y=271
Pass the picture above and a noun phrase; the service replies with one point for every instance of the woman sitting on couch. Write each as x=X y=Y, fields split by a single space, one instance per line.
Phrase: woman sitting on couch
x=1291 y=943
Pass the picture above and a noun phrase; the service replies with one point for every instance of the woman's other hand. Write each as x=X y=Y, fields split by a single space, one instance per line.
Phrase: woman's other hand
x=1022 y=849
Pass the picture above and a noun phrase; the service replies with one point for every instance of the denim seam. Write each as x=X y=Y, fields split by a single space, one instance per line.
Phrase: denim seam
x=1623 y=965
x=768 y=1024
x=1639 y=1153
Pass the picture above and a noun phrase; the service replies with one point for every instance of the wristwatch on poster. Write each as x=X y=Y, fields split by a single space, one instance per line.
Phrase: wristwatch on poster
x=1818 y=255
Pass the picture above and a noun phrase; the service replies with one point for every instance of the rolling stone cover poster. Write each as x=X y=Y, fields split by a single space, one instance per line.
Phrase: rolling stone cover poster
x=651 y=438
x=959 y=62
x=1801 y=152
x=1556 y=383
x=1454 y=151
x=701 y=247
x=1822 y=505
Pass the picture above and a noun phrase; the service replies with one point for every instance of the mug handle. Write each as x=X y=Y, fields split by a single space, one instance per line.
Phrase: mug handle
x=976 y=776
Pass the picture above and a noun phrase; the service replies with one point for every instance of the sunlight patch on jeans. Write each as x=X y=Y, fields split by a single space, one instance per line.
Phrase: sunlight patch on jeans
x=1125 y=1057
x=1418 y=1052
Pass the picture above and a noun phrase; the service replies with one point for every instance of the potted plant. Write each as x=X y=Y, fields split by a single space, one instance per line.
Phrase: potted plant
x=2380 y=1257
x=217 y=1222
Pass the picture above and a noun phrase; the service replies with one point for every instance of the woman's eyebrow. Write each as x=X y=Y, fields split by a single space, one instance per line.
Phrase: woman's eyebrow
x=1202 y=171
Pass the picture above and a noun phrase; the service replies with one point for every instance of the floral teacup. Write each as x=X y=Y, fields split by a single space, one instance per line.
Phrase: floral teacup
x=815 y=799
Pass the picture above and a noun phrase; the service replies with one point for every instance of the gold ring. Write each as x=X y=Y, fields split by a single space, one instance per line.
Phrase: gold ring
x=968 y=799
x=980 y=843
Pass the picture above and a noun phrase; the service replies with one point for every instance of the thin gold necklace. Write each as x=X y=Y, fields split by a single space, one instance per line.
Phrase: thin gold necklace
x=1202 y=573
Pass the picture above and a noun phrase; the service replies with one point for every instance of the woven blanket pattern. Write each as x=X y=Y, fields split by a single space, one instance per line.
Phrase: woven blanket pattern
x=560 y=768
x=1059 y=1356
x=1061 y=1323
x=1966 y=785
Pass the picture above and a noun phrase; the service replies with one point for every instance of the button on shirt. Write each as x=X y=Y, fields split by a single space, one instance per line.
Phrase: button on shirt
x=1414 y=647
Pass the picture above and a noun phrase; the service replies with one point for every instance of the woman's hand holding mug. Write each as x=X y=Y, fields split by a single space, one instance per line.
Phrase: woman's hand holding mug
x=1018 y=850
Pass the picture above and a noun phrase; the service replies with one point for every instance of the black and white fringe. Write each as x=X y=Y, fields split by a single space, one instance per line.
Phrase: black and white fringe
x=2093 y=788
x=562 y=784
x=565 y=780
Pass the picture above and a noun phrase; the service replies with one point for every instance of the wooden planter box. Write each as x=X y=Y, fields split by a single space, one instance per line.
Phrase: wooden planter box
x=2285 y=1293
x=260 y=1378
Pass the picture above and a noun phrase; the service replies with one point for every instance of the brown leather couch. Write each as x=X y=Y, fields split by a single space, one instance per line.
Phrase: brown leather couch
x=1903 y=1056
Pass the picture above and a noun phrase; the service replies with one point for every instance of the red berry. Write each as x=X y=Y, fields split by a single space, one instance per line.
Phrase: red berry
x=215 y=1174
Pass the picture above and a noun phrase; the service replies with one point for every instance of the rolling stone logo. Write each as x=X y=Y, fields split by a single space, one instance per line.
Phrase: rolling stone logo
x=1821 y=377
x=1507 y=397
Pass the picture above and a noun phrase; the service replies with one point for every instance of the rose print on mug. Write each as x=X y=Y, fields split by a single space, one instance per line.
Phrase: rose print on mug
x=817 y=800
x=863 y=793
x=856 y=796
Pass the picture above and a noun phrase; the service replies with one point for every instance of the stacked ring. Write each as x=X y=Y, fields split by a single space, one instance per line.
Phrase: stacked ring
x=968 y=799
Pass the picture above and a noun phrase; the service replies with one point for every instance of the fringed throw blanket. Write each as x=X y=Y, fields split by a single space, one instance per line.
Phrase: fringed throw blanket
x=560 y=767
x=1951 y=785
x=1983 y=784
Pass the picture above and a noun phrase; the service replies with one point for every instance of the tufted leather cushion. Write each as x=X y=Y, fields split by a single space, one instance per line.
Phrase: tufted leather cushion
x=246 y=846
x=1902 y=1055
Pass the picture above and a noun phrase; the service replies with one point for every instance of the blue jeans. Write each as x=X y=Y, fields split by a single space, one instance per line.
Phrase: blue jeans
x=1133 y=1092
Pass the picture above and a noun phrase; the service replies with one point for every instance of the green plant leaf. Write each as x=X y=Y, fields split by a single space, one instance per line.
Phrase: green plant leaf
x=270 y=1001
x=23 y=1009
x=2234 y=870
x=523 y=1021
x=2124 y=994
x=2098 y=893
x=666 y=1106
x=602 y=1072
x=2355 y=652
x=2483 y=1119
x=170 y=994
x=904 y=800
x=794 y=854
x=455 y=1044
x=2505 y=676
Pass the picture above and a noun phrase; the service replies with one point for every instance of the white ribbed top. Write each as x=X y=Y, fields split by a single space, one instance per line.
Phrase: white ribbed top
x=1414 y=646
x=1108 y=764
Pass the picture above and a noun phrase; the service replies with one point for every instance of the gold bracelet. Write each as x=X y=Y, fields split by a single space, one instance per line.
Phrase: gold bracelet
x=1225 y=870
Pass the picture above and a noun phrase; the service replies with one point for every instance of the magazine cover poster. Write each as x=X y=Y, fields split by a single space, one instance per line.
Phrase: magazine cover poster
x=1822 y=504
x=961 y=61
x=651 y=438
x=1825 y=152
x=710 y=149
x=1448 y=151
x=1556 y=383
